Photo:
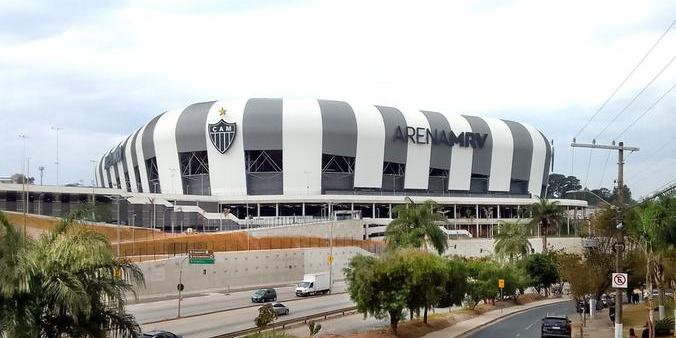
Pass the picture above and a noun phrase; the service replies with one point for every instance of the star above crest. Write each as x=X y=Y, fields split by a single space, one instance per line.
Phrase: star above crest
x=222 y=111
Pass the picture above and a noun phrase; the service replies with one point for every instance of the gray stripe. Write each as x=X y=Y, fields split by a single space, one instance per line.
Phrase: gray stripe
x=191 y=127
x=101 y=162
x=124 y=153
x=339 y=128
x=147 y=139
x=523 y=151
x=117 y=175
x=481 y=160
x=440 y=158
x=262 y=124
x=395 y=151
x=134 y=159
x=548 y=158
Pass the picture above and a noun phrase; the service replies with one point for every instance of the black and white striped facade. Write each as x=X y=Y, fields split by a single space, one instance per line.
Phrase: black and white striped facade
x=307 y=147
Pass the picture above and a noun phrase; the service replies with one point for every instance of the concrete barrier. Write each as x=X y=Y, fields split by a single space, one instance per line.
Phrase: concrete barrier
x=243 y=269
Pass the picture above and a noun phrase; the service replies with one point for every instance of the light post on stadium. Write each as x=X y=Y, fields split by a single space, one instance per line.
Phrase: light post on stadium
x=57 y=129
x=23 y=182
x=93 y=187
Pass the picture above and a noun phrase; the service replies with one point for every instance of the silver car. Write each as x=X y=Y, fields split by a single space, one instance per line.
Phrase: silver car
x=280 y=309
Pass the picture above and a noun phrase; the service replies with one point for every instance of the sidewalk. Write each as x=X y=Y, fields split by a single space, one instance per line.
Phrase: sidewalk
x=598 y=327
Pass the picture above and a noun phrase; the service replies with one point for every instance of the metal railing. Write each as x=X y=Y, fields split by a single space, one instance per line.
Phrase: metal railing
x=284 y=323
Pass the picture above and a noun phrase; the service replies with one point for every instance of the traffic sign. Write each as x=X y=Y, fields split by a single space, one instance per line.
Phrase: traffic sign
x=501 y=283
x=201 y=257
x=330 y=259
x=619 y=280
x=180 y=287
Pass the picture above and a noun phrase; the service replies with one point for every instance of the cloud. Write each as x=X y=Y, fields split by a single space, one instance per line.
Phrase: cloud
x=101 y=69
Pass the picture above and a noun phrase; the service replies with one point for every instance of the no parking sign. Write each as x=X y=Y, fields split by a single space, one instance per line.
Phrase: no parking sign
x=619 y=280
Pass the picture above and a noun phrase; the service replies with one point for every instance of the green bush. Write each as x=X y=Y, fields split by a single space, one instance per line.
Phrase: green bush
x=664 y=326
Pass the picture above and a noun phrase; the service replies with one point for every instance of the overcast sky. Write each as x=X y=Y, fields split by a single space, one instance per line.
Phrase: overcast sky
x=100 y=69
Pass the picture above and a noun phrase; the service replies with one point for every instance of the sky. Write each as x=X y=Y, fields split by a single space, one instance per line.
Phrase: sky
x=101 y=69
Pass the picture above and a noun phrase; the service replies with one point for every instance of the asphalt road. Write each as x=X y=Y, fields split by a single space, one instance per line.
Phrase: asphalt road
x=526 y=324
x=168 y=309
x=234 y=320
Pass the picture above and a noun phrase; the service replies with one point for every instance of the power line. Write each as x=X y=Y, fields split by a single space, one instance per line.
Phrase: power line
x=636 y=97
x=646 y=111
x=625 y=79
x=603 y=172
x=586 y=176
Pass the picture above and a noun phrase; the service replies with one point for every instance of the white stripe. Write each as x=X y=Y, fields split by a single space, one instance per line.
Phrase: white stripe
x=460 y=172
x=302 y=146
x=227 y=175
x=368 y=167
x=130 y=164
x=166 y=153
x=105 y=171
x=417 y=154
x=120 y=172
x=537 y=164
x=501 y=155
x=140 y=159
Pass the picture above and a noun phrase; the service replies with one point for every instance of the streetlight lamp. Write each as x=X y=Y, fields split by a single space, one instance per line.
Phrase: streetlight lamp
x=57 y=129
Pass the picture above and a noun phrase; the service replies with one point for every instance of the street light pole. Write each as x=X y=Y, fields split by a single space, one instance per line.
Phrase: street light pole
x=57 y=129
x=23 y=183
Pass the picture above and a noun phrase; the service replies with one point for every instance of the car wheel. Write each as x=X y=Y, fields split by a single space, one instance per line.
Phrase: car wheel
x=286 y=312
x=274 y=299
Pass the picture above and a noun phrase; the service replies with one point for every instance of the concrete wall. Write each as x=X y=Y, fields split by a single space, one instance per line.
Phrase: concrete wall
x=345 y=229
x=484 y=247
x=243 y=269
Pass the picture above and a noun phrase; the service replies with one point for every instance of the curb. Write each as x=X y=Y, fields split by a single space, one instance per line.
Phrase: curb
x=507 y=316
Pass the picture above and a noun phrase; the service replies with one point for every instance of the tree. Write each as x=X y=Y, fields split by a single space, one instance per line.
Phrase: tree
x=67 y=283
x=512 y=240
x=559 y=184
x=516 y=279
x=482 y=281
x=428 y=279
x=379 y=286
x=21 y=179
x=542 y=270
x=456 y=283
x=416 y=225
x=266 y=314
x=546 y=214
x=614 y=197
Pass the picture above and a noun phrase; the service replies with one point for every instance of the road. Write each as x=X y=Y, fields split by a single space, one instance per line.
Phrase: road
x=526 y=324
x=168 y=309
x=233 y=320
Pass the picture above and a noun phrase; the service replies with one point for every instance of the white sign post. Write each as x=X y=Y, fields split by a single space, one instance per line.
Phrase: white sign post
x=619 y=280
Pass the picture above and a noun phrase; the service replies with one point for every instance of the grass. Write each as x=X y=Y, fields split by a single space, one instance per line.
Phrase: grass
x=636 y=315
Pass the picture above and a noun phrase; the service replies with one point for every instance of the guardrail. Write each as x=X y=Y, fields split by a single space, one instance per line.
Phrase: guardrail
x=284 y=323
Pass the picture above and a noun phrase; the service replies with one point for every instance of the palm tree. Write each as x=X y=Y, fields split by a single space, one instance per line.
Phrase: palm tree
x=67 y=283
x=512 y=240
x=546 y=214
x=416 y=225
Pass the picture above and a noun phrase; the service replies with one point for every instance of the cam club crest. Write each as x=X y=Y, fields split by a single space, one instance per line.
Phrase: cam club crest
x=222 y=133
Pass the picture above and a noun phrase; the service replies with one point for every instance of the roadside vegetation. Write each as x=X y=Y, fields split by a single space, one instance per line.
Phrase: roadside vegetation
x=413 y=276
x=649 y=257
x=66 y=283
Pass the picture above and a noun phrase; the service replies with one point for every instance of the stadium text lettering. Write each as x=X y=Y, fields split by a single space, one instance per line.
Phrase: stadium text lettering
x=436 y=136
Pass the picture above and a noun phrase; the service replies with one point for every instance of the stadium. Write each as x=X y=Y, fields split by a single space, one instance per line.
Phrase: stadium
x=305 y=158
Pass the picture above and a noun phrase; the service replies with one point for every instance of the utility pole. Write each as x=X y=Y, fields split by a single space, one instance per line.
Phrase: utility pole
x=57 y=152
x=619 y=244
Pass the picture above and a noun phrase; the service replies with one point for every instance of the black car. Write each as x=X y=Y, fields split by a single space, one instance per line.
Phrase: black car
x=159 y=334
x=556 y=327
x=264 y=295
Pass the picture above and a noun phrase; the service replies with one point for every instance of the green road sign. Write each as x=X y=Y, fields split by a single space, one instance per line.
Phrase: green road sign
x=202 y=260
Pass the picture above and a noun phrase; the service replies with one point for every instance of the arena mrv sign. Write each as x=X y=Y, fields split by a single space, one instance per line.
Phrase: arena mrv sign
x=436 y=136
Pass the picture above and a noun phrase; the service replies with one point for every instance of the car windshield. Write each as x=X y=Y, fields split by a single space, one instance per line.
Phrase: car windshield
x=259 y=292
x=304 y=284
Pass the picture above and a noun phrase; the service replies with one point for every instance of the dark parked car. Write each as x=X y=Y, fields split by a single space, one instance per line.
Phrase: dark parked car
x=556 y=326
x=264 y=295
x=159 y=334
